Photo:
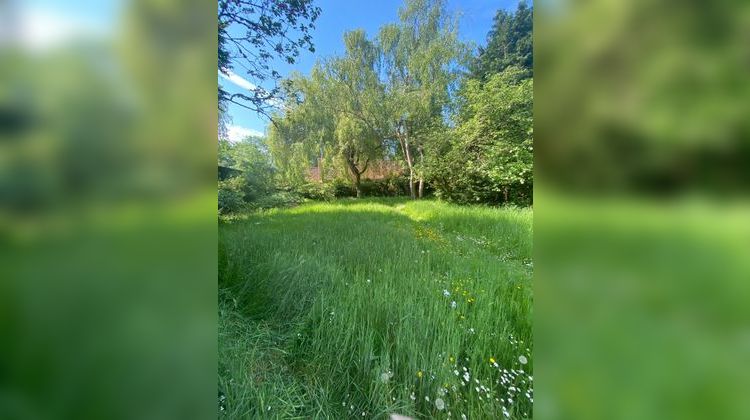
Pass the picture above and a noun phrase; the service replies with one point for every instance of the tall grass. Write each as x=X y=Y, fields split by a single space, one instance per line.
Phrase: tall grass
x=370 y=307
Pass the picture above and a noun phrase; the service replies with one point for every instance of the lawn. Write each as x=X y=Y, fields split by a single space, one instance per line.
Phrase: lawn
x=362 y=308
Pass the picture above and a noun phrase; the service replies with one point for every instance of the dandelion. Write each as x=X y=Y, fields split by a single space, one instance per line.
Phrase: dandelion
x=492 y=360
x=419 y=374
x=413 y=397
x=426 y=398
x=439 y=404
x=384 y=377
x=446 y=293
x=523 y=359
x=453 y=304
x=451 y=359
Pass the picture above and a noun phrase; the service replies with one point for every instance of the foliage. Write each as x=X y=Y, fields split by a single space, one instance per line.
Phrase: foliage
x=316 y=191
x=232 y=195
x=509 y=44
x=252 y=33
x=490 y=156
x=421 y=55
x=279 y=199
x=392 y=186
x=326 y=334
x=255 y=179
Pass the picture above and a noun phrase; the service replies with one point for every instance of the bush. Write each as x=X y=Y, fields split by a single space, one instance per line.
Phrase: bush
x=342 y=188
x=231 y=195
x=392 y=186
x=277 y=200
x=316 y=191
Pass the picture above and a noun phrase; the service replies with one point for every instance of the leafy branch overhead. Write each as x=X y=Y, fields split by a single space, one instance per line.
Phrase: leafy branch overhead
x=255 y=33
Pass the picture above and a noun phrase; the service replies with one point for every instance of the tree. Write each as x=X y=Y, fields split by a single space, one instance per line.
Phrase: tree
x=420 y=58
x=490 y=157
x=251 y=157
x=335 y=110
x=252 y=33
x=509 y=43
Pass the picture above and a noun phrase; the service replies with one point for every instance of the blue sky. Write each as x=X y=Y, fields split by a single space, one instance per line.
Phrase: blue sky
x=339 y=16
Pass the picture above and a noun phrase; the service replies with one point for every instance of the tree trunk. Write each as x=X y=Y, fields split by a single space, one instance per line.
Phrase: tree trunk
x=357 y=184
x=411 y=169
x=421 y=176
x=505 y=195
x=403 y=140
x=356 y=174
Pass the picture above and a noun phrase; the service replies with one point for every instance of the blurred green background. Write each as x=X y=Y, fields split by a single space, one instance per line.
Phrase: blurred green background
x=642 y=220
x=107 y=209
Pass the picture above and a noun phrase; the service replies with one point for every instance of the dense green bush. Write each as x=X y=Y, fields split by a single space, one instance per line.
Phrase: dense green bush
x=392 y=186
x=316 y=191
x=342 y=188
x=231 y=195
x=277 y=200
x=488 y=157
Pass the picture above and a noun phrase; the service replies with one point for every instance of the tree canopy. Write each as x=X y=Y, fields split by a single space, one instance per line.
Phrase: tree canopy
x=253 y=33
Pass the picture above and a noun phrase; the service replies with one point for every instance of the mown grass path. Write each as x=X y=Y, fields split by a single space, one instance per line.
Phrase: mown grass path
x=369 y=307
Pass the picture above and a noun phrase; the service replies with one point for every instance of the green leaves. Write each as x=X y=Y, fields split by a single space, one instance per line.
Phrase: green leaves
x=490 y=157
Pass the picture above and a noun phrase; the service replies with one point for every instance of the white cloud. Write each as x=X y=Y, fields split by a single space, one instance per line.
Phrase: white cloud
x=237 y=80
x=240 y=81
x=236 y=133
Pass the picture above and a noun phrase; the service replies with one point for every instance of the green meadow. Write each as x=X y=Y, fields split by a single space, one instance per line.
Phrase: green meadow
x=364 y=308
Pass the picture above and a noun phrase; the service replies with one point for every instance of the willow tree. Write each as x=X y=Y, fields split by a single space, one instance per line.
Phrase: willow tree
x=420 y=58
x=357 y=96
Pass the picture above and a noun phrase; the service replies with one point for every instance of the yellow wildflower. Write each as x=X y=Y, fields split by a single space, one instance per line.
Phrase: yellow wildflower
x=492 y=360
x=419 y=374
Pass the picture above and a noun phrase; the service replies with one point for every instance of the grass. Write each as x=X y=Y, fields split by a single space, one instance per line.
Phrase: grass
x=370 y=307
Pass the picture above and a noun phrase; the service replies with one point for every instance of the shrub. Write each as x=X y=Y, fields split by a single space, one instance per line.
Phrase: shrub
x=316 y=191
x=387 y=187
x=231 y=195
x=277 y=200
x=342 y=188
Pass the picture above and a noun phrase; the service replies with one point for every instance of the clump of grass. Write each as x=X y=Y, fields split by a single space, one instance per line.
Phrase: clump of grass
x=371 y=307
